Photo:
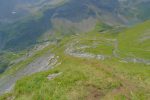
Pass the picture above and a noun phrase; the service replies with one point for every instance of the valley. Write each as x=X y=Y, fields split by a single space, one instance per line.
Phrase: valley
x=74 y=50
x=92 y=66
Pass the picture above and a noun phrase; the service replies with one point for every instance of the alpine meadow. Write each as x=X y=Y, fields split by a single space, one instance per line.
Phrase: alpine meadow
x=74 y=50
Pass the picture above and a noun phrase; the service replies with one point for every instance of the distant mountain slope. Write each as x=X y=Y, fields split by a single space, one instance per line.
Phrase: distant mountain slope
x=13 y=10
x=65 y=17
x=135 y=10
x=16 y=9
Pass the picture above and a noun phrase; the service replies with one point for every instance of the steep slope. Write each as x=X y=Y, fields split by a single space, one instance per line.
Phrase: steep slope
x=136 y=41
x=87 y=69
x=63 y=17
x=135 y=10
x=14 y=10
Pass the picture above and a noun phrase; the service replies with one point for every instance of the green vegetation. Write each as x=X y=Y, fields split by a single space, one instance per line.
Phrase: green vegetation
x=136 y=41
x=90 y=78
x=6 y=58
x=22 y=64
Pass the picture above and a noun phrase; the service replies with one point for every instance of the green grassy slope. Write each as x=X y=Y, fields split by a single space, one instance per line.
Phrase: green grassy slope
x=136 y=41
x=6 y=58
x=88 y=77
